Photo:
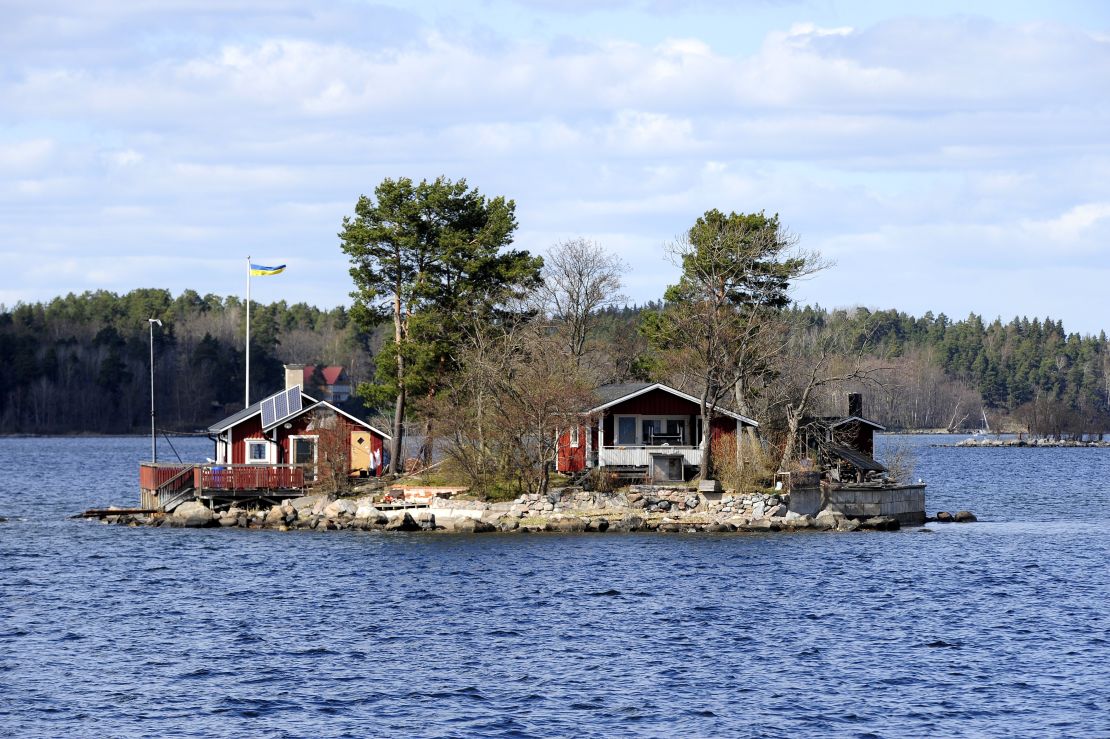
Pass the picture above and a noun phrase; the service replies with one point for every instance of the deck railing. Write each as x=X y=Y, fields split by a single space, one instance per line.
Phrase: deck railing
x=640 y=456
x=233 y=477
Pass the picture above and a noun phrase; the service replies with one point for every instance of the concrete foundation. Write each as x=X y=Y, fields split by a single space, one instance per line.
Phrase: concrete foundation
x=905 y=502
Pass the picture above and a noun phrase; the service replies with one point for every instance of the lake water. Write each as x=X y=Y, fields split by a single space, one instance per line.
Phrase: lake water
x=1000 y=628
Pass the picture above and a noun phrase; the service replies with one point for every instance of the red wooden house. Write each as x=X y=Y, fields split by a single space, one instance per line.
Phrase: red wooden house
x=272 y=449
x=292 y=427
x=643 y=426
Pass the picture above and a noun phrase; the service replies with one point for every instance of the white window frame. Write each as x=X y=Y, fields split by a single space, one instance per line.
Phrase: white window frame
x=575 y=440
x=617 y=430
x=691 y=433
x=315 y=447
x=268 y=459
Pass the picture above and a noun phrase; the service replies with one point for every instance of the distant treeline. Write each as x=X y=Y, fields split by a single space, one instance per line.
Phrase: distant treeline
x=80 y=363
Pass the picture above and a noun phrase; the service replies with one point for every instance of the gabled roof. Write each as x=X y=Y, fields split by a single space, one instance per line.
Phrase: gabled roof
x=324 y=404
x=251 y=410
x=333 y=373
x=834 y=422
x=615 y=393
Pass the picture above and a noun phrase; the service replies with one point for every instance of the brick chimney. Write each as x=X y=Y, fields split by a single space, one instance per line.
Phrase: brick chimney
x=855 y=404
x=294 y=375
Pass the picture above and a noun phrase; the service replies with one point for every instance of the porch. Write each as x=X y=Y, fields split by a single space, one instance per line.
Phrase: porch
x=641 y=456
x=165 y=486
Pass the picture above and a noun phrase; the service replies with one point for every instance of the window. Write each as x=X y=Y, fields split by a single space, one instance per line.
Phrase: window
x=626 y=429
x=659 y=431
x=303 y=449
x=258 y=452
x=574 y=441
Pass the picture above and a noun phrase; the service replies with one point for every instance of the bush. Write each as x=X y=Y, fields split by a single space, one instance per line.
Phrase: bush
x=757 y=470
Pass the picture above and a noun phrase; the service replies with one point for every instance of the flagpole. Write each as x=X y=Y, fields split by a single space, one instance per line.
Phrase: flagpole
x=247 y=402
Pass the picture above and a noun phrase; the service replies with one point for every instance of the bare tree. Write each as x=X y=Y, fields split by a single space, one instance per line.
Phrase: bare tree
x=805 y=374
x=579 y=279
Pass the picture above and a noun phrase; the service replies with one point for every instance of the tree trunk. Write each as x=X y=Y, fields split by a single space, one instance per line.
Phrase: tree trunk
x=398 y=432
x=792 y=422
x=706 y=466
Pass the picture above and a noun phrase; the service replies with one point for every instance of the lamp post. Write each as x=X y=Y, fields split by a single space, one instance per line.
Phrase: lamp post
x=153 y=442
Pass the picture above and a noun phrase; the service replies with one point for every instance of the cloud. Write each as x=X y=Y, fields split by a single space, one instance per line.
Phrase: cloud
x=225 y=127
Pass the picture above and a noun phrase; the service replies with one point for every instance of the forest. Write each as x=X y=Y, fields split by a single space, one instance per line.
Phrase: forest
x=80 y=363
x=456 y=338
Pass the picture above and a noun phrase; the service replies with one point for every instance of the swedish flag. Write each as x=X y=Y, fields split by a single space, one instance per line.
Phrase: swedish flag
x=258 y=270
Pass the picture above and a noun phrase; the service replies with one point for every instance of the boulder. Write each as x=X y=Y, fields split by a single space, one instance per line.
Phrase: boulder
x=341 y=507
x=274 y=516
x=508 y=523
x=944 y=517
x=777 y=511
x=692 y=502
x=192 y=514
x=881 y=523
x=402 y=522
x=467 y=525
x=719 y=528
x=758 y=510
x=226 y=521
x=632 y=522
x=306 y=502
x=827 y=519
x=847 y=524
x=568 y=524
x=965 y=517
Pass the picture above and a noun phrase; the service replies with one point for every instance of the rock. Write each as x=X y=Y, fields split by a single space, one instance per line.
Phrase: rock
x=226 y=521
x=341 y=507
x=692 y=502
x=274 y=516
x=638 y=503
x=508 y=523
x=402 y=522
x=827 y=519
x=847 y=524
x=632 y=522
x=322 y=502
x=944 y=517
x=663 y=505
x=365 y=510
x=634 y=498
x=758 y=510
x=467 y=525
x=192 y=514
x=799 y=522
x=568 y=525
x=965 y=517
x=881 y=523
x=306 y=502
x=719 y=528
x=778 y=511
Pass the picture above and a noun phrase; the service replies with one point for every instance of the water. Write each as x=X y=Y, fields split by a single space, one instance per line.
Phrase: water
x=992 y=629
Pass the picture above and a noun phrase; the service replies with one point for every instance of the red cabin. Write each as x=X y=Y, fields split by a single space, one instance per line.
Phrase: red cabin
x=643 y=426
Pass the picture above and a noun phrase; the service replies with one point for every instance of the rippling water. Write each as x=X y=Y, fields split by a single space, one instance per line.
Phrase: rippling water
x=992 y=629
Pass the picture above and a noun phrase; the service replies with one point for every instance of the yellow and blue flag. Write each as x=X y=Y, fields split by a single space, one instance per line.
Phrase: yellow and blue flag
x=258 y=269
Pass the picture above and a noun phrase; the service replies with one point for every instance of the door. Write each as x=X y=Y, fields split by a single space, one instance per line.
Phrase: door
x=303 y=452
x=362 y=452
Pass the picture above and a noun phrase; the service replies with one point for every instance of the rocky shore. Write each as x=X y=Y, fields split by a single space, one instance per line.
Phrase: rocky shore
x=639 y=508
x=977 y=441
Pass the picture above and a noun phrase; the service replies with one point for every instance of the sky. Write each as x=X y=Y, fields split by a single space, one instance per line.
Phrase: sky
x=947 y=156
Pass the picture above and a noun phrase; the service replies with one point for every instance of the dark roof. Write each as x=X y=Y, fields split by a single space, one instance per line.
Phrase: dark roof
x=617 y=390
x=857 y=459
x=834 y=421
x=243 y=415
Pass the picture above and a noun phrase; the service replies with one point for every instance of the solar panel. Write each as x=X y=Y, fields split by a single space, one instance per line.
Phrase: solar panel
x=269 y=414
x=280 y=406
x=294 y=396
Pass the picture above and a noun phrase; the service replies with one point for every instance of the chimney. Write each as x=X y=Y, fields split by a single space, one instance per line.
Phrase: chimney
x=855 y=404
x=294 y=375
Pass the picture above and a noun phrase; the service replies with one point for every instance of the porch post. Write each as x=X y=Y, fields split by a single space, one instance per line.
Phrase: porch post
x=600 y=440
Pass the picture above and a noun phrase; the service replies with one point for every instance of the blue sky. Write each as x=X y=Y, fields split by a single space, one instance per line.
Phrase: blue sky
x=947 y=157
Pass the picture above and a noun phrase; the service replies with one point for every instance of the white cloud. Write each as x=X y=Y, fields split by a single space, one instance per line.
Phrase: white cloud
x=884 y=144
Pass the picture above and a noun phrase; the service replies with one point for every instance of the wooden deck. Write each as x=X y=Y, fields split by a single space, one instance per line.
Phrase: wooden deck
x=165 y=486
